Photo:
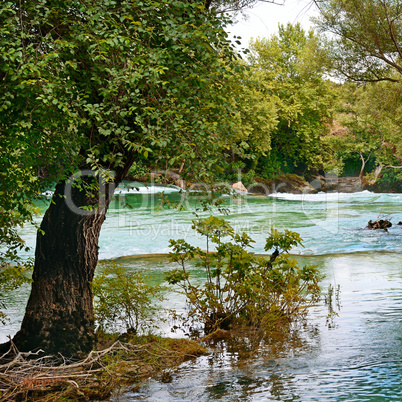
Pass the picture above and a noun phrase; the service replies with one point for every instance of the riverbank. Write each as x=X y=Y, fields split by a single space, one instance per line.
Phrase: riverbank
x=285 y=183
x=120 y=363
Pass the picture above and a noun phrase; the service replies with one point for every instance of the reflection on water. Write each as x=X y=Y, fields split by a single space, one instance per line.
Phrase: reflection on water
x=357 y=360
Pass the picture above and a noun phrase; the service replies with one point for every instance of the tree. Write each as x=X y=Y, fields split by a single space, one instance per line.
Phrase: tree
x=289 y=67
x=365 y=38
x=255 y=118
x=362 y=134
x=365 y=46
x=382 y=102
x=371 y=125
x=103 y=82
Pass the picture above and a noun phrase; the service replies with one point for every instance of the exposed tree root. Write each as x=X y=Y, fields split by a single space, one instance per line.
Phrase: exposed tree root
x=26 y=377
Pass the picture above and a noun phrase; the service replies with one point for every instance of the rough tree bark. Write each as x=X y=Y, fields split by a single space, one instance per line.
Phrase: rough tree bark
x=59 y=316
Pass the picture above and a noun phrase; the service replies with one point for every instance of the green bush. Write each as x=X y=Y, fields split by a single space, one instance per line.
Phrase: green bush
x=240 y=287
x=11 y=278
x=137 y=171
x=124 y=298
x=236 y=171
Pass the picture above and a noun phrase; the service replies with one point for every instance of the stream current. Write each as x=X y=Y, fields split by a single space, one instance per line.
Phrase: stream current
x=354 y=356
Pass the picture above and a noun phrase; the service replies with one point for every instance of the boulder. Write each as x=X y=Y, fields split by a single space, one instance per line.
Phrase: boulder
x=289 y=183
x=180 y=183
x=239 y=186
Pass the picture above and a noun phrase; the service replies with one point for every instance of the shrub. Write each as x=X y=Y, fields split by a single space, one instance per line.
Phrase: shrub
x=11 y=278
x=240 y=287
x=137 y=171
x=124 y=298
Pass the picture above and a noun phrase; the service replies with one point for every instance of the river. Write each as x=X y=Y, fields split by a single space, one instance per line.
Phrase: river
x=354 y=356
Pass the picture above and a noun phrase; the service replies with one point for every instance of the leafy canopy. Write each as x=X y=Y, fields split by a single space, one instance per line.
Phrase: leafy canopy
x=96 y=84
x=370 y=123
x=289 y=67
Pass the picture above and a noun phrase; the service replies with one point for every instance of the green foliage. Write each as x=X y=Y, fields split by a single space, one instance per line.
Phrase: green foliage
x=274 y=164
x=365 y=38
x=96 y=85
x=11 y=278
x=137 y=170
x=282 y=240
x=237 y=171
x=253 y=112
x=369 y=117
x=124 y=298
x=16 y=206
x=241 y=288
x=390 y=179
x=289 y=66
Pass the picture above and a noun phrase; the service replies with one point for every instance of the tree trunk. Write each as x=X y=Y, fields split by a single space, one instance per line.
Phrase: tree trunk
x=376 y=173
x=363 y=166
x=59 y=315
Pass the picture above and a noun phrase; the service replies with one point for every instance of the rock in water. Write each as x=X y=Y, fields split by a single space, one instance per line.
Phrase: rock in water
x=379 y=224
x=239 y=186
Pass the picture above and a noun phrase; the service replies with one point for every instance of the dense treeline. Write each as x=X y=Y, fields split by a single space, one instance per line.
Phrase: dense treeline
x=293 y=117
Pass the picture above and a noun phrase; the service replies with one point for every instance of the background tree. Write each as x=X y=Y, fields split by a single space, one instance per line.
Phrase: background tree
x=103 y=82
x=383 y=103
x=254 y=116
x=371 y=127
x=289 y=67
x=365 y=38
x=360 y=135
x=364 y=45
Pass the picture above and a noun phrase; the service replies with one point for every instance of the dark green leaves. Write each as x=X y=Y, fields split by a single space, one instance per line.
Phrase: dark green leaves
x=96 y=85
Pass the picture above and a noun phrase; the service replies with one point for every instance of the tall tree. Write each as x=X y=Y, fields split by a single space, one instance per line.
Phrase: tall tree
x=97 y=83
x=365 y=38
x=370 y=125
x=289 y=67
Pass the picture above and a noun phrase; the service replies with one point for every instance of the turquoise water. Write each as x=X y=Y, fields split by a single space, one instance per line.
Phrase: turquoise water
x=356 y=358
x=329 y=223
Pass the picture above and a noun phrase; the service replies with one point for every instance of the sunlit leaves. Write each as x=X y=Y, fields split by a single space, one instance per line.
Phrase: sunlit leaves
x=97 y=85
x=125 y=299
x=282 y=240
x=289 y=67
